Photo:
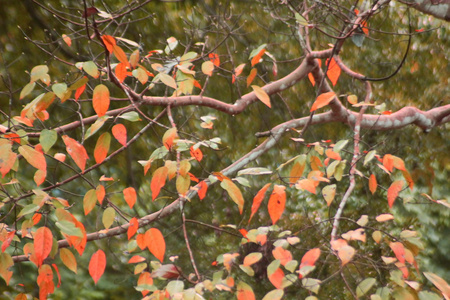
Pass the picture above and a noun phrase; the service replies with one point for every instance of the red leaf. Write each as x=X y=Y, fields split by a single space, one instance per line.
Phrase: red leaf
x=100 y=193
x=158 y=181
x=102 y=147
x=258 y=56
x=97 y=265
x=130 y=196
x=393 y=191
x=100 y=99
x=132 y=229
x=323 y=100
x=80 y=91
x=333 y=71
x=202 y=190
x=196 y=153
x=215 y=59
x=76 y=151
x=120 y=133
x=109 y=41
x=277 y=202
x=57 y=273
x=258 y=199
x=155 y=243
x=121 y=72
x=251 y=76
x=372 y=184
x=399 y=251
x=7 y=241
x=43 y=241
x=136 y=259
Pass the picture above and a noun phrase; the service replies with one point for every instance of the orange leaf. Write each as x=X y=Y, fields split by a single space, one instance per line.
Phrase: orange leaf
x=258 y=56
x=57 y=273
x=244 y=291
x=306 y=184
x=393 y=191
x=364 y=28
x=89 y=201
x=67 y=40
x=140 y=240
x=33 y=157
x=130 y=196
x=68 y=259
x=109 y=41
x=97 y=265
x=100 y=193
x=155 y=243
x=276 y=278
x=120 y=133
x=215 y=59
x=372 y=184
x=333 y=155
x=334 y=71
x=239 y=69
x=120 y=55
x=262 y=95
x=100 y=99
x=323 y=100
x=310 y=257
x=43 y=241
x=136 y=259
x=202 y=190
x=408 y=179
x=121 y=72
x=80 y=91
x=169 y=137
x=388 y=162
x=132 y=229
x=145 y=279
x=277 y=202
x=39 y=177
x=196 y=153
x=158 y=181
x=258 y=199
x=310 y=75
x=7 y=241
x=282 y=254
x=251 y=76
x=399 y=251
x=76 y=151
x=102 y=147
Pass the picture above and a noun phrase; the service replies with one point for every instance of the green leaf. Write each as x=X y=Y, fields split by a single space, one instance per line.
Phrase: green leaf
x=274 y=295
x=174 y=287
x=28 y=209
x=340 y=145
x=27 y=89
x=256 y=51
x=301 y=20
x=47 y=139
x=96 y=126
x=167 y=80
x=79 y=83
x=248 y=270
x=365 y=286
x=108 y=217
x=89 y=201
x=59 y=89
x=311 y=284
x=39 y=72
x=69 y=228
x=91 y=68
x=131 y=116
x=254 y=171
x=369 y=156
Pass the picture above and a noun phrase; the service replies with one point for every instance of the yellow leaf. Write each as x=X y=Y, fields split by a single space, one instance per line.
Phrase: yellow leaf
x=262 y=95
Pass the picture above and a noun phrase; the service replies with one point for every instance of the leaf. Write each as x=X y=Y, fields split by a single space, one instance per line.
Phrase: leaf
x=275 y=276
x=202 y=190
x=283 y=255
x=97 y=265
x=393 y=191
x=311 y=284
x=208 y=68
x=306 y=184
x=251 y=76
x=91 y=68
x=399 y=251
x=252 y=258
x=68 y=259
x=89 y=201
x=169 y=137
x=352 y=99
x=158 y=181
x=234 y=192
x=108 y=217
x=102 y=147
x=244 y=291
x=120 y=55
x=334 y=71
x=47 y=139
x=39 y=73
x=328 y=193
x=310 y=257
x=76 y=151
x=67 y=39
x=33 y=157
x=155 y=243
x=323 y=100
x=43 y=242
x=60 y=90
x=130 y=196
x=27 y=89
x=384 y=217
x=274 y=295
x=134 y=58
x=365 y=286
x=141 y=75
x=109 y=41
x=346 y=254
x=256 y=59
x=297 y=169
x=373 y=184
x=100 y=99
x=100 y=193
x=358 y=234
x=132 y=229
x=196 y=153
x=95 y=127
x=167 y=80
x=183 y=183
x=254 y=171
x=277 y=203
x=131 y=116
x=258 y=199
x=121 y=72
x=262 y=95
x=440 y=283
x=214 y=59
x=301 y=20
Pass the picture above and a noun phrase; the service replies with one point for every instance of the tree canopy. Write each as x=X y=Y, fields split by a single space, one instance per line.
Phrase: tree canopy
x=224 y=149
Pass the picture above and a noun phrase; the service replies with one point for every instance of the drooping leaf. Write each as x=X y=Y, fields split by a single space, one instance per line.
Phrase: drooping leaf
x=277 y=202
x=130 y=196
x=89 y=201
x=323 y=100
x=68 y=259
x=100 y=99
x=258 y=199
x=158 y=181
x=328 y=193
x=97 y=265
x=132 y=229
x=108 y=217
x=262 y=95
x=100 y=193
x=102 y=147
x=47 y=139
x=373 y=184
x=33 y=157
x=91 y=68
x=234 y=192
x=155 y=243
x=76 y=151
x=251 y=76
x=334 y=71
x=43 y=242
x=393 y=191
